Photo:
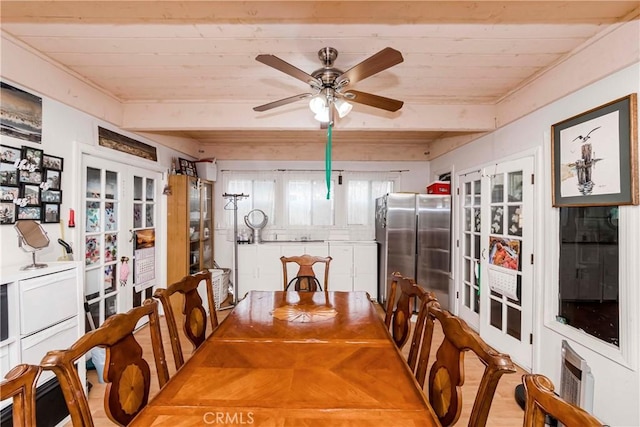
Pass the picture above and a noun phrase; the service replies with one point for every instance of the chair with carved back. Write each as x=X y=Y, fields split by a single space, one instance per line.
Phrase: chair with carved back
x=195 y=316
x=126 y=372
x=305 y=279
x=446 y=375
x=20 y=384
x=398 y=314
x=541 y=401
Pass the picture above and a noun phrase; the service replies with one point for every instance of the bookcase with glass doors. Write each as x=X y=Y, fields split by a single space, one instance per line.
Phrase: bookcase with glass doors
x=189 y=226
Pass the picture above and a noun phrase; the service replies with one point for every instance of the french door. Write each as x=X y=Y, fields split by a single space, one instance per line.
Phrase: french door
x=506 y=270
x=118 y=220
x=468 y=244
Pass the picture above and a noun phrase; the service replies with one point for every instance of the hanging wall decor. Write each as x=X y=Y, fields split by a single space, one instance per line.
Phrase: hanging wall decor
x=20 y=114
x=110 y=139
x=595 y=156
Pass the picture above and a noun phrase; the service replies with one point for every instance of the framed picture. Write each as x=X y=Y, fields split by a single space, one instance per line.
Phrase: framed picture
x=187 y=167
x=29 y=212
x=28 y=177
x=31 y=193
x=51 y=212
x=9 y=193
x=52 y=178
x=33 y=156
x=7 y=213
x=51 y=196
x=595 y=156
x=20 y=114
x=52 y=162
x=8 y=174
x=9 y=154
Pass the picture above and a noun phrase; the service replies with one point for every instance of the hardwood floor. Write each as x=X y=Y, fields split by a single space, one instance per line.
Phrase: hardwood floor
x=505 y=412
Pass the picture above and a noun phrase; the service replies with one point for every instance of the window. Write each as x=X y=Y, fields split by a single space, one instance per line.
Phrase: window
x=298 y=200
x=588 y=267
x=262 y=196
x=307 y=202
x=361 y=196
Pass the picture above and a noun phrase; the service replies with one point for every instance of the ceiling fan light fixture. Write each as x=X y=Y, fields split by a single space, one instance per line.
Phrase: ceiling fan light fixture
x=323 y=116
x=342 y=107
x=318 y=103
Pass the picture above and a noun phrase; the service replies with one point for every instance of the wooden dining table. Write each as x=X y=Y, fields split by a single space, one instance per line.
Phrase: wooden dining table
x=294 y=359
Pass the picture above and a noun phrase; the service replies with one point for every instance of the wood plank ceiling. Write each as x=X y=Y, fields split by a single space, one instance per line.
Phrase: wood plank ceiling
x=187 y=69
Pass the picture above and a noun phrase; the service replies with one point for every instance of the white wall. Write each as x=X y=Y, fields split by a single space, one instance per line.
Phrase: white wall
x=617 y=381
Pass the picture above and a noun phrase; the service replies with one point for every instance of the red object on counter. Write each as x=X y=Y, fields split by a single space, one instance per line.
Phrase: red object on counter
x=439 y=187
x=72 y=221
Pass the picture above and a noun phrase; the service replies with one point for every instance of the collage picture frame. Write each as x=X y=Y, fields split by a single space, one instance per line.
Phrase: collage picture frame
x=30 y=185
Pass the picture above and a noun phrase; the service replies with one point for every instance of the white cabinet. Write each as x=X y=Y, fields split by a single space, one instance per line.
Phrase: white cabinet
x=365 y=268
x=45 y=311
x=354 y=267
x=259 y=268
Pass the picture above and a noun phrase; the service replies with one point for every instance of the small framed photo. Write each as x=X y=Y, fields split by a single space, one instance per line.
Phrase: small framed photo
x=8 y=194
x=27 y=177
x=33 y=156
x=52 y=178
x=29 y=212
x=8 y=174
x=51 y=212
x=187 y=167
x=7 y=213
x=52 y=162
x=9 y=154
x=31 y=193
x=51 y=196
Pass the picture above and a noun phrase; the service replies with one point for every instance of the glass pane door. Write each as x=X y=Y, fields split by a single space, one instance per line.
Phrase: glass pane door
x=507 y=239
x=207 y=225
x=469 y=248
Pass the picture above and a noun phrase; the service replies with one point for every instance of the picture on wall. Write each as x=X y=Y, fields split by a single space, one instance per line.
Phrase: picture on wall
x=187 y=167
x=52 y=178
x=8 y=174
x=7 y=213
x=51 y=196
x=31 y=194
x=595 y=158
x=52 y=162
x=9 y=193
x=115 y=141
x=9 y=154
x=20 y=114
x=51 y=212
x=29 y=212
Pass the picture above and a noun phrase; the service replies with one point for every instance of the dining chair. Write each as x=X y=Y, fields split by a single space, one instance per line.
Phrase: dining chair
x=126 y=372
x=305 y=279
x=398 y=314
x=20 y=383
x=446 y=375
x=541 y=400
x=195 y=316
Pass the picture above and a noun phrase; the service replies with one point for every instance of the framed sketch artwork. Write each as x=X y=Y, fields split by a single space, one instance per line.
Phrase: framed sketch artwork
x=595 y=156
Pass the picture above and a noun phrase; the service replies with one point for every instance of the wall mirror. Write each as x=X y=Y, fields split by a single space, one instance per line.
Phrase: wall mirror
x=31 y=238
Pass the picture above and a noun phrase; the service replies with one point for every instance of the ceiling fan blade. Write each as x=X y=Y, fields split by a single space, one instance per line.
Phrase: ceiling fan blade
x=285 y=67
x=376 y=101
x=387 y=57
x=282 y=102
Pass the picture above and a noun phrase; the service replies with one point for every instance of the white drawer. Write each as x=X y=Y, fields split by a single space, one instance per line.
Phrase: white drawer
x=57 y=337
x=47 y=300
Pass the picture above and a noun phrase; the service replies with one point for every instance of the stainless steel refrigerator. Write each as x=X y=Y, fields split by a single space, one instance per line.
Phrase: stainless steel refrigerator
x=413 y=232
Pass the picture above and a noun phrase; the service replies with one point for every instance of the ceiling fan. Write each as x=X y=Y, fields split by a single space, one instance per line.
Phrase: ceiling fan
x=329 y=85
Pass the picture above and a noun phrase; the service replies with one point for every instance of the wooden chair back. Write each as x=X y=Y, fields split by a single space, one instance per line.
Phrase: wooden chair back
x=398 y=314
x=126 y=373
x=307 y=281
x=541 y=401
x=195 y=316
x=446 y=376
x=20 y=383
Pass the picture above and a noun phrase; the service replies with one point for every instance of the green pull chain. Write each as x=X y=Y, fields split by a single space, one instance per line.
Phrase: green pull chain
x=327 y=161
